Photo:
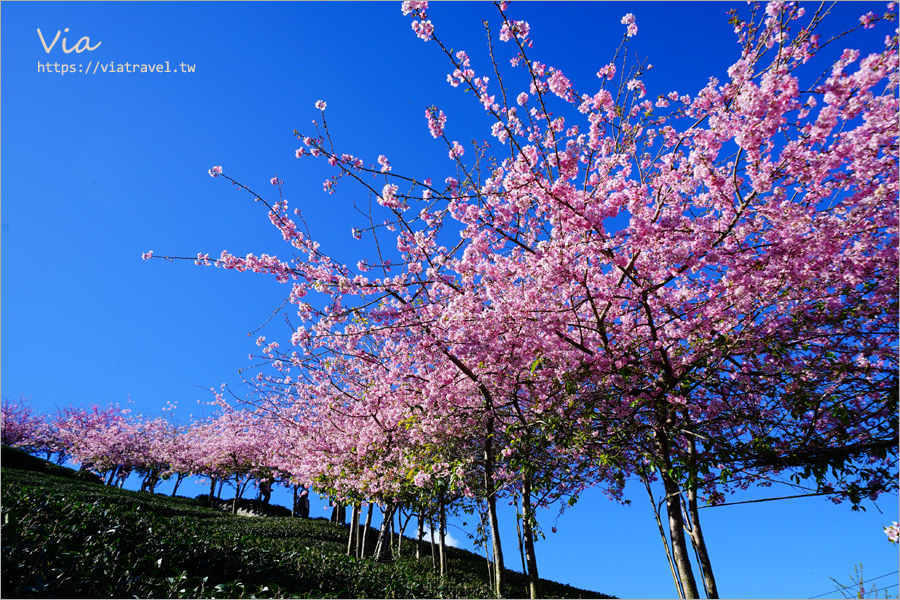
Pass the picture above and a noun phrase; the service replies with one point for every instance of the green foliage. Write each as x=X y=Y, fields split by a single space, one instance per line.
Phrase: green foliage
x=14 y=458
x=63 y=537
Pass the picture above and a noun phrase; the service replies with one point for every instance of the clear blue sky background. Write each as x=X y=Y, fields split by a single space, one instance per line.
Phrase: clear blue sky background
x=99 y=168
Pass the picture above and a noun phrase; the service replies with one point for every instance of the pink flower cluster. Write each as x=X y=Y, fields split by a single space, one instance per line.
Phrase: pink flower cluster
x=511 y=29
x=388 y=196
x=424 y=28
x=436 y=121
x=629 y=20
x=893 y=533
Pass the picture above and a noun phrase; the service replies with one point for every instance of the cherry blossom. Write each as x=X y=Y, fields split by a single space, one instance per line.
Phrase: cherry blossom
x=697 y=292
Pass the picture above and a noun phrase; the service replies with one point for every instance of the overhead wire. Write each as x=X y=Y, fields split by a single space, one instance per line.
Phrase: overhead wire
x=842 y=588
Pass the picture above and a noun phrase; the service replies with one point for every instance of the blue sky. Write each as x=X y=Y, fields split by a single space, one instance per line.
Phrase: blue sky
x=99 y=168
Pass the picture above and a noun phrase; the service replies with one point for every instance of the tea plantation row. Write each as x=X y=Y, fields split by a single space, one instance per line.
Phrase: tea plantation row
x=64 y=536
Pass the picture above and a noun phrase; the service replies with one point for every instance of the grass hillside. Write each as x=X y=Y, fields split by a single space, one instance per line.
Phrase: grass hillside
x=66 y=536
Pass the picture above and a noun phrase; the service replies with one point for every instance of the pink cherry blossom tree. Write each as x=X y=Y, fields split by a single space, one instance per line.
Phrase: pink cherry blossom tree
x=20 y=426
x=101 y=439
x=701 y=290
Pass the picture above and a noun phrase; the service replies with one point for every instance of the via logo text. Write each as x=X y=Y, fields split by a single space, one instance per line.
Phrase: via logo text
x=82 y=44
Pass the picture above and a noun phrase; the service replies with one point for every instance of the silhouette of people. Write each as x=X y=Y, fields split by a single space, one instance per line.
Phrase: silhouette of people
x=301 y=503
x=265 y=490
x=304 y=505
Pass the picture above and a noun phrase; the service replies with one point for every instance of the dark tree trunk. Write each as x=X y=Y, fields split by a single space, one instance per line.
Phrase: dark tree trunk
x=662 y=535
x=697 y=539
x=241 y=487
x=528 y=535
x=421 y=533
x=487 y=551
x=499 y=579
x=519 y=535
x=442 y=525
x=696 y=533
x=339 y=513
x=383 y=546
x=390 y=539
x=178 y=481
x=151 y=481
x=431 y=533
x=676 y=520
x=403 y=523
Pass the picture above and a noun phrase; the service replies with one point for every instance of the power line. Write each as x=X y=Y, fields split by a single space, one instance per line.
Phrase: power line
x=870 y=579
x=768 y=499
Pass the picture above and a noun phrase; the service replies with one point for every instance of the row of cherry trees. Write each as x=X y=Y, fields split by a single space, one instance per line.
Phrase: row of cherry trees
x=234 y=446
x=112 y=440
x=697 y=292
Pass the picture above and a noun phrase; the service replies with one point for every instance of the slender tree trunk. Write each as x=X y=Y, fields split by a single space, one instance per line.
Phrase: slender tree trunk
x=365 y=532
x=487 y=550
x=383 y=546
x=361 y=534
x=442 y=525
x=154 y=480
x=294 y=505
x=403 y=525
x=696 y=533
x=391 y=528
x=676 y=520
x=421 y=533
x=519 y=535
x=212 y=488
x=534 y=586
x=178 y=481
x=400 y=532
x=112 y=475
x=352 y=541
x=662 y=535
x=431 y=532
x=490 y=490
x=699 y=543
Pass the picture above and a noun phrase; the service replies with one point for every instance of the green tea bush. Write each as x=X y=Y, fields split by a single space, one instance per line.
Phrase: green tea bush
x=67 y=538
x=14 y=458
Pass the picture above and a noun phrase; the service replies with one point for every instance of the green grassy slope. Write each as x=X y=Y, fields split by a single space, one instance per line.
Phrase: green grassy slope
x=64 y=536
